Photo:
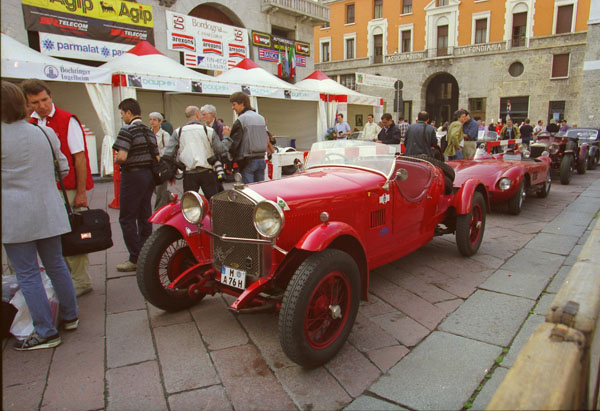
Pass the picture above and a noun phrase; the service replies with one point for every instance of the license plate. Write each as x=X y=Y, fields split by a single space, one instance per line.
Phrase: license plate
x=233 y=277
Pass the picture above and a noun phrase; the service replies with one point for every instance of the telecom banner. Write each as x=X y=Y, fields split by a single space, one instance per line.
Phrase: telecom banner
x=207 y=45
x=103 y=20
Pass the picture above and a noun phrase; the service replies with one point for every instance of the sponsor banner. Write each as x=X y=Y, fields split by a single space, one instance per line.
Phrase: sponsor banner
x=57 y=22
x=78 y=48
x=373 y=80
x=207 y=45
x=273 y=56
x=270 y=41
x=117 y=11
x=158 y=83
x=55 y=72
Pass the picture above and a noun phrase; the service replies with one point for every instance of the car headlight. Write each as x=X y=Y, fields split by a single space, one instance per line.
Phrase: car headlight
x=268 y=219
x=504 y=183
x=193 y=207
x=553 y=148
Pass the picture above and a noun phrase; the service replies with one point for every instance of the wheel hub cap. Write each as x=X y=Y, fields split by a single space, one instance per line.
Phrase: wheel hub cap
x=336 y=311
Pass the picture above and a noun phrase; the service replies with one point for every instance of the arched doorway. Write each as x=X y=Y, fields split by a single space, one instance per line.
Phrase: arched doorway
x=441 y=97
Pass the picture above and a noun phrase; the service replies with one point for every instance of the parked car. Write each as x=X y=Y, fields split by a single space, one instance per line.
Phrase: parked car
x=304 y=245
x=591 y=136
x=565 y=152
x=508 y=176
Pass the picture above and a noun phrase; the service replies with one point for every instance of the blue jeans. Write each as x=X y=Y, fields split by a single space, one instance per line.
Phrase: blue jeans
x=457 y=156
x=136 y=208
x=254 y=170
x=23 y=257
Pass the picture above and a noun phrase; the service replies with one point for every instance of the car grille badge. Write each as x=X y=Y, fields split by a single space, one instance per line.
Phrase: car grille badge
x=281 y=202
x=384 y=198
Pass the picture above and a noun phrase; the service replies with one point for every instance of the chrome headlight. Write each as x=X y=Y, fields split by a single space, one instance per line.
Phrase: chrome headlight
x=526 y=153
x=553 y=148
x=268 y=219
x=193 y=207
x=504 y=183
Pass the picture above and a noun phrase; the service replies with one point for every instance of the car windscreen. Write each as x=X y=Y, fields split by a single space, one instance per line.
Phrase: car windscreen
x=356 y=153
x=583 y=134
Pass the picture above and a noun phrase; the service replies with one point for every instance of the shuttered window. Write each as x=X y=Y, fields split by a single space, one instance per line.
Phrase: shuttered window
x=406 y=6
x=519 y=27
x=564 y=19
x=406 y=41
x=442 y=40
x=378 y=9
x=350 y=13
x=480 y=31
x=560 y=65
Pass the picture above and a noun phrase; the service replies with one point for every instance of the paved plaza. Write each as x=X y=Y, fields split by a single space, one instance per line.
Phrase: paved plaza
x=434 y=326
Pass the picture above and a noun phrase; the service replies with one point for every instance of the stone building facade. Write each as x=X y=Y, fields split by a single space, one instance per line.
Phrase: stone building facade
x=492 y=78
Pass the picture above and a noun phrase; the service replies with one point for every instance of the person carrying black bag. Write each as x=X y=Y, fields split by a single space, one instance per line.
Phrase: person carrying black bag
x=420 y=137
x=137 y=152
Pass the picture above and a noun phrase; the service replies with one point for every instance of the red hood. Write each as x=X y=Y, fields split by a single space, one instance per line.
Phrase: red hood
x=318 y=185
x=488 y=171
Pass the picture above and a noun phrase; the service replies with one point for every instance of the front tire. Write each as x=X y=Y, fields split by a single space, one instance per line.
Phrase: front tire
x=592 y=162
x=470 y=227
x=515 y=203
x=582 y=167
x=163 y=257
x=319 y=307
x=565 y=169
x=543 y=192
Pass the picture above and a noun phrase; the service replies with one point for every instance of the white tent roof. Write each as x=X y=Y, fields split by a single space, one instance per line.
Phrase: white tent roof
x=20 y=61
x=146 y=60
x=247 y=72
x=318 y=81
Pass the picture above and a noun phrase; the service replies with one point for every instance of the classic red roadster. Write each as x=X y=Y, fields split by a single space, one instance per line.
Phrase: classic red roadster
x=508 y=176
x=303 y=245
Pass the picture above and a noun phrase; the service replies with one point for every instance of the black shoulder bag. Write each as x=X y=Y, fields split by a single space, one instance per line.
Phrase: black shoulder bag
x=90 y=229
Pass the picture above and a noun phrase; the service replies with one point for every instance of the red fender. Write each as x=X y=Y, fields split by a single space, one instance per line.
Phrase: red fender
x=463 y=199
x=319 y=237
x=199 y=243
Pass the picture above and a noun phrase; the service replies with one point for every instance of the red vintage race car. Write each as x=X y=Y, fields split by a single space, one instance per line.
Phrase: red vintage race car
x=508 y=176
x=303 y=245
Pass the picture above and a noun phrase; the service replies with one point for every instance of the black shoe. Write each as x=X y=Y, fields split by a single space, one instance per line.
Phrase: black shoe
x=35 y=342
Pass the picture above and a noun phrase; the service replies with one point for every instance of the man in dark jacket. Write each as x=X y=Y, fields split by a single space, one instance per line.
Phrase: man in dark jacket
x=420 y=137
x=390 y=133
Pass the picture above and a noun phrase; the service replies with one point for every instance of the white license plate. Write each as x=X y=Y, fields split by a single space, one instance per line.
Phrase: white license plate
x=233 y=277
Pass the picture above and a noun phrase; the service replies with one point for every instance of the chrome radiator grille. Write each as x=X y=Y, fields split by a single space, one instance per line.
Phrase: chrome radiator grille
x=232 y=216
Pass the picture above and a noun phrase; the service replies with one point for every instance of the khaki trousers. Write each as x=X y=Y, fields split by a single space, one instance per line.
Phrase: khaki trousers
x=469 y=150
x=78 y=264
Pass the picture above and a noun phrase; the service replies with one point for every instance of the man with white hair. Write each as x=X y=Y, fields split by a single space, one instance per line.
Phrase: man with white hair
x=209 y=115
x=161 y=194
x=194 y=144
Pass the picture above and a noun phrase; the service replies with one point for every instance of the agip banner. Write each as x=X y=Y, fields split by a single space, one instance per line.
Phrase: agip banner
x=207 y=45
x=103 y=20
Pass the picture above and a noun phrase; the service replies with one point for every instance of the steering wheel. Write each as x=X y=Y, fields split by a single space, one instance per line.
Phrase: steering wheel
x=327 y=156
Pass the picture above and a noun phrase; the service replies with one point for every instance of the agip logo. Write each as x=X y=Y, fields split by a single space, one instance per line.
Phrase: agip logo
x=136 y=13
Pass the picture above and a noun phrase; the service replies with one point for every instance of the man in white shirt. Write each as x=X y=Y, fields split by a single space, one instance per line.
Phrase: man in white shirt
x=371 y=130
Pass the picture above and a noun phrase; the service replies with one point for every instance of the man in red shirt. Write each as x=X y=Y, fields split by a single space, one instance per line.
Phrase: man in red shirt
x=72 y=143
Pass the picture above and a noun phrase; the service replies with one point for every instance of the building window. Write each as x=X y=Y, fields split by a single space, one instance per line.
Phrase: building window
x=350 y=48
x=519 y=29
x=477 y=107
x=406 y=41
x=325 y=52
x=564 y=19
x=350 y=14
x=556 y=111
x=325 y=25
x=348 y=80
x=442 y=40
x=378 y=9
x=442 y=3
x=406 y=6
x=378 y=47
x=480 y=31
x=516 y=108
x=516 y=69
x=560 y=65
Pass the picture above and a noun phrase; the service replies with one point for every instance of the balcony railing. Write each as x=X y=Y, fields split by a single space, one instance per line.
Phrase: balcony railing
x=315 y=11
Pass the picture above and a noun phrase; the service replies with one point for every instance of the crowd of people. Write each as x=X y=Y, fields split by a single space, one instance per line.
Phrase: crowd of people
x=36 y=132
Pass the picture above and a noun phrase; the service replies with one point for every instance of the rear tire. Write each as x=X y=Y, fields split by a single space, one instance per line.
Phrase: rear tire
x=543 y=192
x=565 y=169
x=319 y=307
x=163 y=257
x=470 y=227
x=582 y=167
x=592 y=162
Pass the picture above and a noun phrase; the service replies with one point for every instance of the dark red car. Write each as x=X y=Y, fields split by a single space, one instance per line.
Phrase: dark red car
x=304 y=245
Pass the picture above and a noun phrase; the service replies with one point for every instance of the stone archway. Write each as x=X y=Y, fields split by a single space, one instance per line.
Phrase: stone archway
x=217 y=13
x=441 y=97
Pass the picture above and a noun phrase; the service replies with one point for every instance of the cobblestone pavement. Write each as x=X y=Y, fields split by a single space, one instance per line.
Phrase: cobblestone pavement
x=433 y=327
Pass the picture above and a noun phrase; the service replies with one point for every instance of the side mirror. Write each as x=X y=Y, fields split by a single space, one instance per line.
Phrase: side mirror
x=401 y=174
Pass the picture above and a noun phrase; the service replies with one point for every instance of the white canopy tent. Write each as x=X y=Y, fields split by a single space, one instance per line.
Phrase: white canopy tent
x=69 y=82
x=336 y=98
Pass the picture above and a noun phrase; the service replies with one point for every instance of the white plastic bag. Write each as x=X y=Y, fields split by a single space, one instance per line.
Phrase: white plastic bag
x=22 y=325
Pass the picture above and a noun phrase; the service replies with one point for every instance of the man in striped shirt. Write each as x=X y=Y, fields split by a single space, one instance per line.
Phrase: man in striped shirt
x=137 y=151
